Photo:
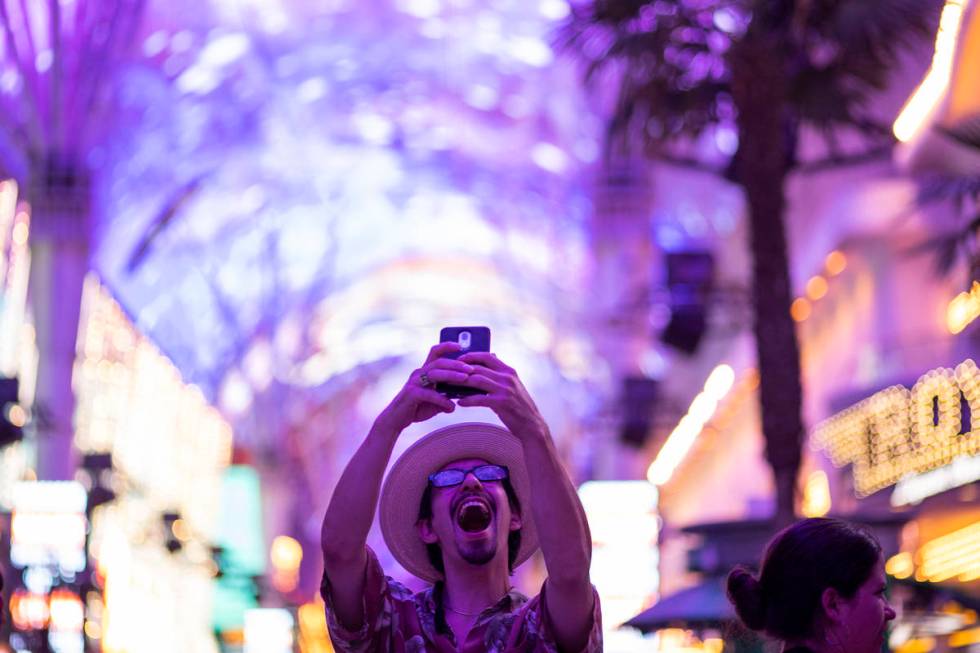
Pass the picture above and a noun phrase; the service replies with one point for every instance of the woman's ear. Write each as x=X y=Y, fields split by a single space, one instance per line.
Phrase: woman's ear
x=426 y=534
x=833 y=605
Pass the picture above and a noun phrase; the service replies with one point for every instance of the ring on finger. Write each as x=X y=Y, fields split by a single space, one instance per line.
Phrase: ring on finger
x=424 y=380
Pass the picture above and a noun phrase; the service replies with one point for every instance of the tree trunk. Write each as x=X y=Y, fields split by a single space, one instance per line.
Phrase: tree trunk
x=59 y=263
x=759 y=86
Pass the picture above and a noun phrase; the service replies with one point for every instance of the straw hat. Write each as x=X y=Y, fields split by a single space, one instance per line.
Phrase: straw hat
x=409 y=476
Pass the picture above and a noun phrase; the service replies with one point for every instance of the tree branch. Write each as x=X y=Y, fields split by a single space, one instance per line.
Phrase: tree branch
x=690 y=163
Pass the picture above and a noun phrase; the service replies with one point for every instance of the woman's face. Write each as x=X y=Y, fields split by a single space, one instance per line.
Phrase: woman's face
x=862 y=619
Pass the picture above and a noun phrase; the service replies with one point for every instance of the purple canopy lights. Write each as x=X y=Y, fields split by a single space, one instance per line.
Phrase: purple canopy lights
x=291 y=192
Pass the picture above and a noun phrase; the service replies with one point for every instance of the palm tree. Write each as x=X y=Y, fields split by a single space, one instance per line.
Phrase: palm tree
x=766 y=70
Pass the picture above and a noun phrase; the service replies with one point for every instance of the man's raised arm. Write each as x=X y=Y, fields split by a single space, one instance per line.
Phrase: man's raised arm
x=563 y=530
x=355 y=499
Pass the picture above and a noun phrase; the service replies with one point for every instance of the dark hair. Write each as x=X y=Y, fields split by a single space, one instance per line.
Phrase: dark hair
x=513 y=538
x=800 y=562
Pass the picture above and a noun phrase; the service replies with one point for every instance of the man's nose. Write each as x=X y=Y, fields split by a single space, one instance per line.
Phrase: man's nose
x=889 y=613
x=471 y=481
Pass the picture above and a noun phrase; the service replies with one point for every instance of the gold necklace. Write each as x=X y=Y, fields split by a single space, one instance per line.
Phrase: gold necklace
x=465 y=614
x=471 y=614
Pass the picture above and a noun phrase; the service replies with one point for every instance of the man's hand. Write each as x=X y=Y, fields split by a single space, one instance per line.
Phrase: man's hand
x=506 y=395
x=418 y=400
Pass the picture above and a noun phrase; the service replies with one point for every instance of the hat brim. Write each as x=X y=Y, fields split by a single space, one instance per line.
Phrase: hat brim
x=409 y=476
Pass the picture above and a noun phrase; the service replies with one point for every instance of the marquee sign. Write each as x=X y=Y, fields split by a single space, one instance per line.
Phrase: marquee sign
x=898 y=433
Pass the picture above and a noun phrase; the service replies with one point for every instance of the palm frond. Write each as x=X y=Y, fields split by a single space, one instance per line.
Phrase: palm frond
x=670 y=56
x=845 y=53
x=947 y=189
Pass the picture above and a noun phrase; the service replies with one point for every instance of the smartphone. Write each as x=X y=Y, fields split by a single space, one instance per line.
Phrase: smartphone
x=474 y=338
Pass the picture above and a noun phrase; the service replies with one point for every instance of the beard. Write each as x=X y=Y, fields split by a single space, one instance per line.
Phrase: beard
x=479 y=553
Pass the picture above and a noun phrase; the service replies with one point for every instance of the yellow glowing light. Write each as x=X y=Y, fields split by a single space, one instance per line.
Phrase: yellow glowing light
x=920 y=645
x=682 y=438
x=800 y=309
x=896 y=432
x=926 y=97
x=676 y=640
x=965 y=638
x=181 y=530
x=713 y=645
x=956 y=554
x=963 y=309
x=835 y=263
x=17 y=415
x=816 y=287
x=900 y=565
x=20 y=233
x=93 y=630
x=816 y=495
x=313 y=637
x=286 y=553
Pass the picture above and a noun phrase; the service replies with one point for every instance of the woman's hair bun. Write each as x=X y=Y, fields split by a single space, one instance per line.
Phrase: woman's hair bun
x=745 y=593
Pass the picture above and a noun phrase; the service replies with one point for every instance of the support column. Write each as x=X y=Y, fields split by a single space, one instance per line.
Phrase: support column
x=60 y=237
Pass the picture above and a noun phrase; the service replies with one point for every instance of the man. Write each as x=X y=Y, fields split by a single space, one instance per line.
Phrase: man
x=461 y=508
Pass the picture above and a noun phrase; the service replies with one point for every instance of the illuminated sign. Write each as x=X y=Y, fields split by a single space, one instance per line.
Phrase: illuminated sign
x=242 y=542
x=48 y=525
x=913 y=489
x=268 y=630
x=18 y=352
x=624 y=523
x=898 y=433
x=29 y=611
x=954 y=556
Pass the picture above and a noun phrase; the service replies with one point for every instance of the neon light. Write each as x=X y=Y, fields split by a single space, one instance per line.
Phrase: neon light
x=963 y=309
x=816 y=495
x=900 y=565
x=682 y=438
x=927 y=96
x=954 y=555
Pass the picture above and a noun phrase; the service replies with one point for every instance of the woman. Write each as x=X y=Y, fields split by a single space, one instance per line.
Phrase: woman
x=821 y=589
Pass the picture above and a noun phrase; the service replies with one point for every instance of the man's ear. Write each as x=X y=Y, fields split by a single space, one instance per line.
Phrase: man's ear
x=515 y=521
x=426 y=533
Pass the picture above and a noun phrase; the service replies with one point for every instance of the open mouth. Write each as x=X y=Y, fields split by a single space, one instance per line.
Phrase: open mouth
x=474 y=514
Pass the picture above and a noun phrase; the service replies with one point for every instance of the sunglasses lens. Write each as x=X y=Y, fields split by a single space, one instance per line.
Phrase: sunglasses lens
x=491 y=473
x=447 y=478
x=450 y=477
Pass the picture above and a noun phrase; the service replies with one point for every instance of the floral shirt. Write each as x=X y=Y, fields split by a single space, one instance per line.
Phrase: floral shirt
x=398 y=621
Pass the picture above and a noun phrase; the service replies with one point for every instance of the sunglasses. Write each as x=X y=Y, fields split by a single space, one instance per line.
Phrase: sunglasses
x=451 y=477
